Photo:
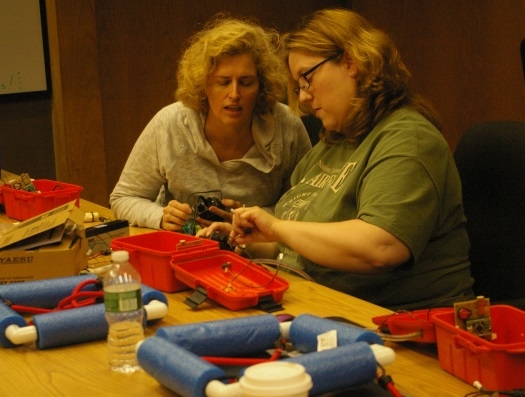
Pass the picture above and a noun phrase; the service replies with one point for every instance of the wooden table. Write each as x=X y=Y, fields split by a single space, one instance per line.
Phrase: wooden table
x=82 y=370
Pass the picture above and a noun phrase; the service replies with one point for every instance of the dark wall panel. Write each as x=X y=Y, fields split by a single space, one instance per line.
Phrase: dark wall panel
x=464 y=55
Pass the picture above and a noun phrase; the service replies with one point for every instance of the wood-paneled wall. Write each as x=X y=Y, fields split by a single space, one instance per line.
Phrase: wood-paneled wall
x=114 y=61
x=78 y=129
x=464 y=55
x=26 y=138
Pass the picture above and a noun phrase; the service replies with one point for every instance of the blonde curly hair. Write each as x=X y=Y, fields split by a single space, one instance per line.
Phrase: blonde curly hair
x=226 y=36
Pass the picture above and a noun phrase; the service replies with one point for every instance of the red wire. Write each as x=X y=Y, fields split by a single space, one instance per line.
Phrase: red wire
x=78 y=298
x=389 y=386
x=81 y=285
x=392 y=389
x=89 y=297
x=242 y=361
x=29 y=309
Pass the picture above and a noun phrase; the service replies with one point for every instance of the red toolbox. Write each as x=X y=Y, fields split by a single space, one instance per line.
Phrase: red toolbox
x=151 y=254
x=171 y=262
x=231 y=280
x=22 y=205
x=498 y=364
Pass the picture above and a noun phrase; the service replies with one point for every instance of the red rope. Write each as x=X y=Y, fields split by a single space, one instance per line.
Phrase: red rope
x=29 y=309
x=78 y=298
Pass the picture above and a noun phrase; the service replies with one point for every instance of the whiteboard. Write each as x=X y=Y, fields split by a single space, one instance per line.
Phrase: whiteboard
x=22 y=61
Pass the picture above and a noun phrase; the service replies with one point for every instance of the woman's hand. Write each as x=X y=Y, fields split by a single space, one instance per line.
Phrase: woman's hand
x=215 y=227
x=253 y=225
x=224 y=214
x=176 y=214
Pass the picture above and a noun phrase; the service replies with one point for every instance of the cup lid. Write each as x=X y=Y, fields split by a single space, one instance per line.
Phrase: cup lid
x=272 y=379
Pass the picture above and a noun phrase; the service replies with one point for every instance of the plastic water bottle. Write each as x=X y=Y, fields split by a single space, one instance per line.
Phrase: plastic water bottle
x=124 y=313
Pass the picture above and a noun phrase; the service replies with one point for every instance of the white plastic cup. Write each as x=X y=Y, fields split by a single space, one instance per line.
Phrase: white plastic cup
x=275 y=379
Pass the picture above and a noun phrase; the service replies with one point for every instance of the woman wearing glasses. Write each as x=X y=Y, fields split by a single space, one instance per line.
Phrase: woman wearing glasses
x=227 y=136
x=375 y=209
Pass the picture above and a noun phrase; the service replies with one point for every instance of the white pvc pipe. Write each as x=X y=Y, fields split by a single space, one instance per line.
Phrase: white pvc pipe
x=21 y=335
x=384 y=355
x=216 y=388
x=155 y=310
x=285 y=329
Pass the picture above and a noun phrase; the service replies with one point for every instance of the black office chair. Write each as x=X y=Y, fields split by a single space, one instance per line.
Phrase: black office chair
x=491 y=162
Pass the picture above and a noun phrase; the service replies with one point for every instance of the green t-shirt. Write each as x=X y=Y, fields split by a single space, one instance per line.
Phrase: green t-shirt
x=402 y=178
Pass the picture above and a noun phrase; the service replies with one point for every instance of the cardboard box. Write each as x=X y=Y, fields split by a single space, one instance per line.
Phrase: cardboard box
x=67 y=257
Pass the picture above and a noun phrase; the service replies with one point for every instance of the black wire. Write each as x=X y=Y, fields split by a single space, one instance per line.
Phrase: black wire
x=250 y=262
x=381 y=368
x=196 y=205
x=236 y=276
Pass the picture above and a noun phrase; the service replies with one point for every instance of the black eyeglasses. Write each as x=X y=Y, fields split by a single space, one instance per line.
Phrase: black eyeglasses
x=303 y=82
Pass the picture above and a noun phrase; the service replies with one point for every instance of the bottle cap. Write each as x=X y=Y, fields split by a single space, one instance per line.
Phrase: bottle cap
x=119 y=256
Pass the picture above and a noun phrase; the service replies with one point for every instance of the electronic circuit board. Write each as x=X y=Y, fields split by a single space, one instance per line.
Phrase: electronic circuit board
x=474 y=316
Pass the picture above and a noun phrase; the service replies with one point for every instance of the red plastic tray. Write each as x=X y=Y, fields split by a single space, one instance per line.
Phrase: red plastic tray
x=22 y=205
x=231 y=280
x=498 y=364
x=152 y=254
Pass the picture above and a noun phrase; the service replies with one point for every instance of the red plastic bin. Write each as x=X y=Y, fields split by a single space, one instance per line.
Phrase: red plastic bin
x=498 y=364
x=151 y=254
x=22 y=205
x=231 y=280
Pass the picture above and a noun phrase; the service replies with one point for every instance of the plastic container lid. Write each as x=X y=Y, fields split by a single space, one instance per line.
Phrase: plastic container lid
x=275 y=379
